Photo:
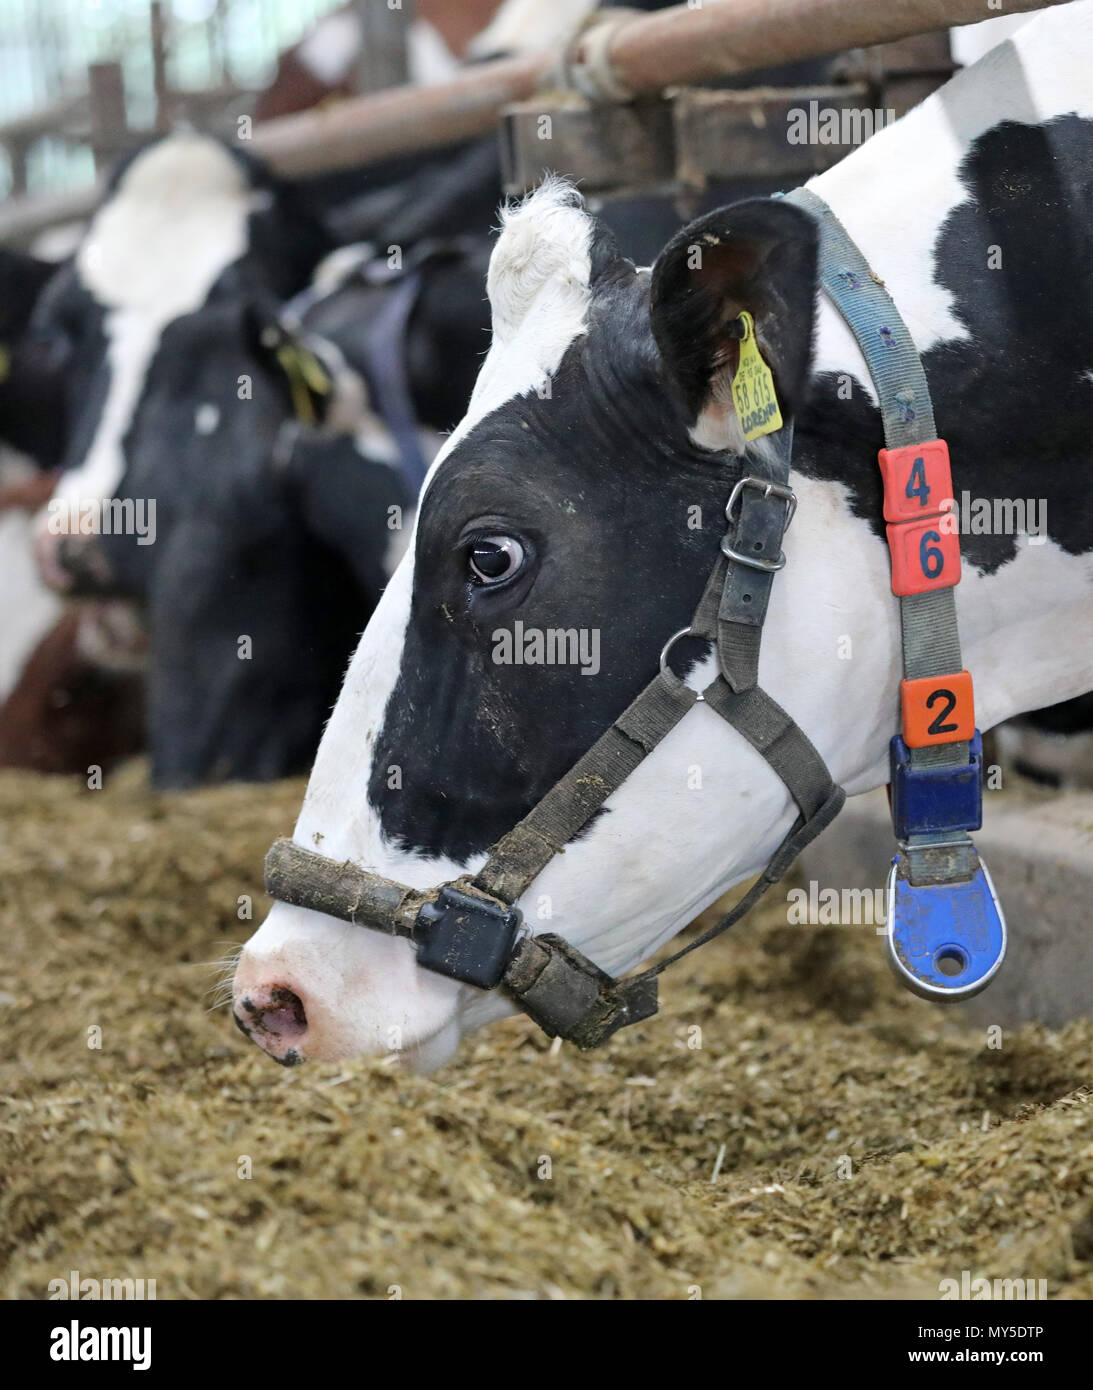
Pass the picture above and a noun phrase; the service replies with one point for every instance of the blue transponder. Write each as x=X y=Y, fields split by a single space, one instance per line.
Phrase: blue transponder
x=929 y=800
x=945 y=940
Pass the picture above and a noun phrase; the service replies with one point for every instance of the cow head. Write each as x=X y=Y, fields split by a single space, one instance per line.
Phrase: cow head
x=179 y=491
x=583 y=494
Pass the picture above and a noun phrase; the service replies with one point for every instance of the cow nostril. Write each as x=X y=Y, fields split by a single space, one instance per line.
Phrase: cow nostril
x=277 y=1010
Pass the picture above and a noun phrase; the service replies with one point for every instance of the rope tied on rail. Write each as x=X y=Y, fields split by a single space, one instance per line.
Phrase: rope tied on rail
x=586 y=65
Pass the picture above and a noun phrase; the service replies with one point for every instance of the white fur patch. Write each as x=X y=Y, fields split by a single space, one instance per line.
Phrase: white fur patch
x=1043 y=71
x=542 y=254
x=538 y=285
x=29 y=608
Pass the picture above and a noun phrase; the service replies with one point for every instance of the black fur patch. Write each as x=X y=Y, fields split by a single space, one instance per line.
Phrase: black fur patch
x=1015 y=400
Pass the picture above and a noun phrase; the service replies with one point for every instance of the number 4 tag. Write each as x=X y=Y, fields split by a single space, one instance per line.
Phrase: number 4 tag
x=918 y=480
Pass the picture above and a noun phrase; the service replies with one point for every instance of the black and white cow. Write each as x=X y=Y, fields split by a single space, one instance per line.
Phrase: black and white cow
x=181 y=391
x=567 y=499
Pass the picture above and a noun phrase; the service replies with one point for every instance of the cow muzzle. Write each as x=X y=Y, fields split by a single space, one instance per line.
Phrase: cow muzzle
x=73 y=566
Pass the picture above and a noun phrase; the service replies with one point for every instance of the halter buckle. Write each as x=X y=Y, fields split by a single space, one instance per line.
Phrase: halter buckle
x=768 y=489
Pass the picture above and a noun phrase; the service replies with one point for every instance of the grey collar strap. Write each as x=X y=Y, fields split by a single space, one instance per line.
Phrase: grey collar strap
x=930 y=637
x=946 y=933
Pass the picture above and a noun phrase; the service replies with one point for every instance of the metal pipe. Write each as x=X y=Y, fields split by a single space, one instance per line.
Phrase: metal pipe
x=673 y=46
x=733 y=36
x=646 y=54
x=362 y=130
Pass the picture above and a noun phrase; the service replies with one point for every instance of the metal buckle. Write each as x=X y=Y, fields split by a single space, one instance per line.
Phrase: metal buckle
x=768 y=489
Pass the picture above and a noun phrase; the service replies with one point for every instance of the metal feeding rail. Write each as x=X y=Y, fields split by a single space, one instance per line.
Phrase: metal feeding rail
x=614 y=58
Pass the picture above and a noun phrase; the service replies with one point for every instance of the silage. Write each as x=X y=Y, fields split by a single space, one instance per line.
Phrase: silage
x=865 y=1143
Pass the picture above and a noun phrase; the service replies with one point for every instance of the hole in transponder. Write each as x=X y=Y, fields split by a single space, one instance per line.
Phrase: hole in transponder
x=951 y=960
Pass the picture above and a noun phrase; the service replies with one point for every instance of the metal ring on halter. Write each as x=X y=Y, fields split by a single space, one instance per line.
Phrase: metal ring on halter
x=665 y=669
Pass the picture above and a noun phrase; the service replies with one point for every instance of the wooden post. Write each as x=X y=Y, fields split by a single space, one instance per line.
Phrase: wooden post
x=17 y=156
x=159 y=66
x=384 y=57
x=106 y=92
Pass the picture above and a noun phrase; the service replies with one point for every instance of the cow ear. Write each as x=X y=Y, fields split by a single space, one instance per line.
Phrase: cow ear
x=759 y=255
x=542 y=263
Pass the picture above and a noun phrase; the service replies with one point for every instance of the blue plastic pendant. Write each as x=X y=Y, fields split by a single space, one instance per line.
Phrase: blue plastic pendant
x=945 y=940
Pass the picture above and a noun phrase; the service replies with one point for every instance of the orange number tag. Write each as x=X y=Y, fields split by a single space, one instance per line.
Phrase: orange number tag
x=937 y=709
x=925 y=555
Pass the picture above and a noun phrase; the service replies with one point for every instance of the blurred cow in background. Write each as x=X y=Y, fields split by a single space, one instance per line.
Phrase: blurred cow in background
x=177 y=491
x=65 y=704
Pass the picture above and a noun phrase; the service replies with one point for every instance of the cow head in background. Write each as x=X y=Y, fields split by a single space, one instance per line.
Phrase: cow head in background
x=180 y=392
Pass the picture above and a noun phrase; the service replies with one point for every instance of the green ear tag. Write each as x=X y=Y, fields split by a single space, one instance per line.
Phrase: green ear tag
x=753 y=392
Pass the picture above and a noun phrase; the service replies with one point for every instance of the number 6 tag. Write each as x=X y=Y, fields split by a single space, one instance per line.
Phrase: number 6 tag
x=925 y=555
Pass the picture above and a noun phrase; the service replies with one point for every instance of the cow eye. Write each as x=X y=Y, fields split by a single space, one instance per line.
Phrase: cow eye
x=493 y=559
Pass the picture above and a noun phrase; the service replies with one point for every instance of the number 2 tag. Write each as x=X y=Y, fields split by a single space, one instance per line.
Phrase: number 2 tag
x=753 y=392
x=937 y=709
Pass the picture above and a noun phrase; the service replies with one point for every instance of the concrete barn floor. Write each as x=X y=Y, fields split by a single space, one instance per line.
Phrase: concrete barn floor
x=124 y=1161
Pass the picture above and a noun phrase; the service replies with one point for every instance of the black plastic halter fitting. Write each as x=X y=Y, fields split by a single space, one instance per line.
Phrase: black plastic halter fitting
x=466 y=938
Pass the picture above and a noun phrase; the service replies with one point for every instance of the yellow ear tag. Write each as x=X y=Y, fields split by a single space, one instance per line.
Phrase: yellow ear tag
x=5 y=363
x=306 y=378
x=753 y=392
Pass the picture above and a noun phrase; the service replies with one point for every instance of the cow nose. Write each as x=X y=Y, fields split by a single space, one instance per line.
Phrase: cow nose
x=48 y=554
x=274 y=1017
x=72 y=565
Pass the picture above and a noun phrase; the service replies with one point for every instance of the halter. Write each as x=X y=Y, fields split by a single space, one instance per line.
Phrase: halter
x=470 y=930
x=381 y=352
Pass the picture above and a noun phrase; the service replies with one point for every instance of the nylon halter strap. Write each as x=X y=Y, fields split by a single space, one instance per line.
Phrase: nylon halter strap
x=470 y=930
